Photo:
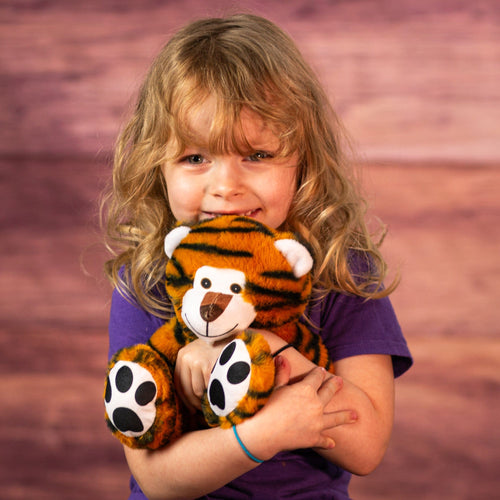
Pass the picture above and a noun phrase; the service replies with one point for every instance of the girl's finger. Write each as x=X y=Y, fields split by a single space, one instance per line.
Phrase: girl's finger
x=341 y=417
x=335 y=419
x=198 y=385
x=329 y=388
x=184 y=389
x=315 y=378
x=326 y=443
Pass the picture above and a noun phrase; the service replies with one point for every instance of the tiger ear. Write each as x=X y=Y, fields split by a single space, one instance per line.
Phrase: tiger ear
x=173 y=239
x=297 y=256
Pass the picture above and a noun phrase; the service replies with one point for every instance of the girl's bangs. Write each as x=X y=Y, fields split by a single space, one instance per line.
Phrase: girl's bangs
x=226 y=134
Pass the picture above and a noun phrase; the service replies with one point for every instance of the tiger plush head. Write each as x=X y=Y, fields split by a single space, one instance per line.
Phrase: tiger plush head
x=232 y=272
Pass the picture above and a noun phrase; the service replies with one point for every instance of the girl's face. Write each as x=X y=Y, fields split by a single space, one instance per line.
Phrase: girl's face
x=202 y=185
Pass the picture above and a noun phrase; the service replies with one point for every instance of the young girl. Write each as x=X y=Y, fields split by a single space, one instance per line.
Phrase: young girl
x=231 y=120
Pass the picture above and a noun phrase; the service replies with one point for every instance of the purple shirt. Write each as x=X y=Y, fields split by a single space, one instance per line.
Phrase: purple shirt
x=349 y=326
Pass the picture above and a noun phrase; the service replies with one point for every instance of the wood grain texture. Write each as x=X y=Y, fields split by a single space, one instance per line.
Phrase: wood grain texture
x=411 y=79
x=417 y=86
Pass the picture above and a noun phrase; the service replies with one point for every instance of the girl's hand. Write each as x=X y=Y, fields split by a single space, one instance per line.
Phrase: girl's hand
x=295 y=416
x=192 y=371
x=304 y=409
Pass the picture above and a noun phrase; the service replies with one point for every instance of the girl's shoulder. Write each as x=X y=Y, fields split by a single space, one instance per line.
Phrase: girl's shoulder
x=351 y=325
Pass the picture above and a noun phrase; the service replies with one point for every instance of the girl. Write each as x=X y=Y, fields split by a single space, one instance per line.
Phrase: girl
x=231 y=120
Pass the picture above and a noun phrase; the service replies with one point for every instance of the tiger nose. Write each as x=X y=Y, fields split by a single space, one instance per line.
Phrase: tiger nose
x=213 y=305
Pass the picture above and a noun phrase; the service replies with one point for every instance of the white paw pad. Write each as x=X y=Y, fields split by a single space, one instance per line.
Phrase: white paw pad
x=230 y=378
x=130 y=398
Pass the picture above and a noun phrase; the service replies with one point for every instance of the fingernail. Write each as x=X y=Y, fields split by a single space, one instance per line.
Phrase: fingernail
x=353 y=416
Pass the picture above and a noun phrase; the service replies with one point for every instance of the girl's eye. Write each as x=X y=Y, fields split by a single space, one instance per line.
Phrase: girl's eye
x=193 y=159
x=259 y=156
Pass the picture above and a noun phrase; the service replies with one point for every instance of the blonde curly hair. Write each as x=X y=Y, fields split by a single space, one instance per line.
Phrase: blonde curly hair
x=242 y=61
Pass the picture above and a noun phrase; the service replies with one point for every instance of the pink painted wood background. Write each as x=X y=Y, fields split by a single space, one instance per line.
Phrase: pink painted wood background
x=417 y=85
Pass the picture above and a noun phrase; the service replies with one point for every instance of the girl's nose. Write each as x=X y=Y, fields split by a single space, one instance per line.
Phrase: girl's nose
x=225 y=179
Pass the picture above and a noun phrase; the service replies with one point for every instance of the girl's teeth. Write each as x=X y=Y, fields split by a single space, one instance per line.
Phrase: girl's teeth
x=245 y=214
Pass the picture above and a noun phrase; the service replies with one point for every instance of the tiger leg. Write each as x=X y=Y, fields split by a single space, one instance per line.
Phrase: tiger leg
x=142 y=409
x=241 y=381
x=311 y=346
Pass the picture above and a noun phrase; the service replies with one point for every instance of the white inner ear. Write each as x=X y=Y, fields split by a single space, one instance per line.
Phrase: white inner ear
x=174 y=237
x=297 y=256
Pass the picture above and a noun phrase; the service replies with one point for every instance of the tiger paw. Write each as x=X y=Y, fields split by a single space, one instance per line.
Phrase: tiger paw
x=241 y=381
x=130 y=398
x=142 y=409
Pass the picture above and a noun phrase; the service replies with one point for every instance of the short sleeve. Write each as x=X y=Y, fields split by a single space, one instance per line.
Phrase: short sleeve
x=351 y=326
x=129 y=324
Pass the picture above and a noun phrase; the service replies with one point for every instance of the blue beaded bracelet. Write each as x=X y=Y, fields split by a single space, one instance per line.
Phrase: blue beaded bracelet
x=244 y=448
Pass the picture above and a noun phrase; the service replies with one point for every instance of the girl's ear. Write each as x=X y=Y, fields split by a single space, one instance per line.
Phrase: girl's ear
x=297 y=256
x=173 y=239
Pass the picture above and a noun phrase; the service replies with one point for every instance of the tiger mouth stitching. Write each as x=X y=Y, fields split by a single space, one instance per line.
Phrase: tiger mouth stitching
x=200 y=334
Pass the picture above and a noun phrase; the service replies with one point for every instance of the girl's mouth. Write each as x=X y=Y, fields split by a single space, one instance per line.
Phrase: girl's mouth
x=249 y=213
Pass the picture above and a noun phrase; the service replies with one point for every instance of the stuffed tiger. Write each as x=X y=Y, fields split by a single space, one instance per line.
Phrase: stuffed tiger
x=223 y=275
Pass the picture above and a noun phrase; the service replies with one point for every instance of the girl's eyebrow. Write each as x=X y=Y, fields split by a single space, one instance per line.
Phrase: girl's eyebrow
x=193 y=149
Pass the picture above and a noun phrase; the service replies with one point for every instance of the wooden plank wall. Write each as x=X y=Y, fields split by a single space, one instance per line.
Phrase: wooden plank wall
x=416 y=84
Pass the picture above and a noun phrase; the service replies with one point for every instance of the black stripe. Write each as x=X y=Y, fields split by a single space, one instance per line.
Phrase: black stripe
x=251 y=226
x=253 y=395
x=280 y=305
x=314 y=346
x=182 y=336
x=259 y=394
x=277 y=322
x=182 y=279
x=261 y=228
x=299 y=338
x=111 y=427
x=177 y=281
x=282 y=275
x=213 y=249
x=273 y=324
x=218 y=230
x=274 y=292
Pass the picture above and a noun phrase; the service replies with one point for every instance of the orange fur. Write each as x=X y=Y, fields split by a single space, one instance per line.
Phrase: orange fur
x=278 y=296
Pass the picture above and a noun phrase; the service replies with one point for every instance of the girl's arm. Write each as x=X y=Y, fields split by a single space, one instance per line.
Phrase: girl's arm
x=368 y=388
x=367 y=384
x=202 y=461
x=367 y=396
x=308 y=413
